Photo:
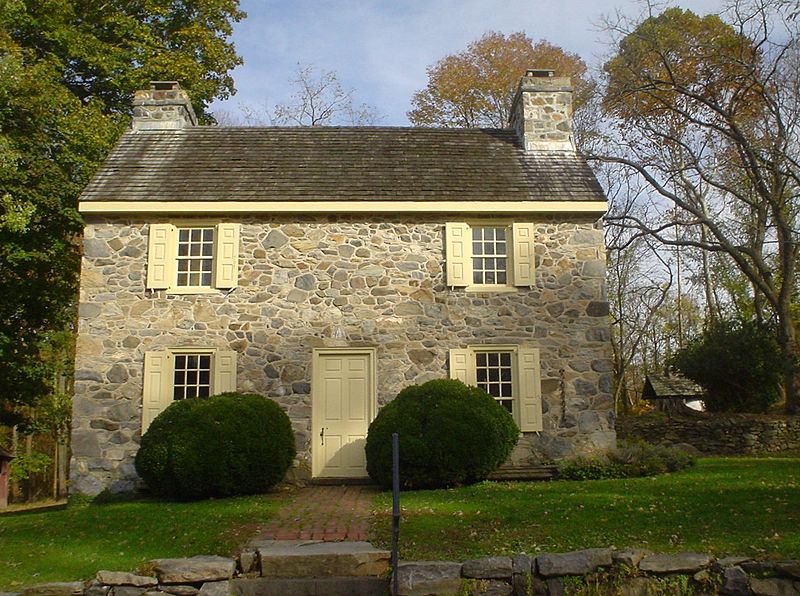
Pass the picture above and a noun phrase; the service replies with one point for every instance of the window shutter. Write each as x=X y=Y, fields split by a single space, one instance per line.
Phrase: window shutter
x=459 y=254
x=156 y=386
x=226 y=254
x=530 y=390
x=161 y=255
x=524 y=254
x=462 y=366
x=224 y=371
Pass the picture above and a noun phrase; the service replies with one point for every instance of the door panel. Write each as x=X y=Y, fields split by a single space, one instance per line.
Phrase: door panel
x=343 y=402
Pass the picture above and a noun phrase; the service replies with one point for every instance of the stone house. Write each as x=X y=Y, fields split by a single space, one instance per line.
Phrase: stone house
x=328 y=268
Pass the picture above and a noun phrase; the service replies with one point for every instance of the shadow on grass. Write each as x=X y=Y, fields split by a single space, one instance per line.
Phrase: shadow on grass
x=122 y=534
x=723 y=506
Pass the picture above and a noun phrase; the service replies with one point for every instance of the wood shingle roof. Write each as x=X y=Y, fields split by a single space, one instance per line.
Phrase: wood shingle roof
x=671 y=386
x=332 y=164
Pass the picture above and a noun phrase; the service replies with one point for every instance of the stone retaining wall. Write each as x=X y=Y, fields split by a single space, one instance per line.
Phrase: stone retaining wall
x=602 y=571
x=717 y=434
x=594 y=571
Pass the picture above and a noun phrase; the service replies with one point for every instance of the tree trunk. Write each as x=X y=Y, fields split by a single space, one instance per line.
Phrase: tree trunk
x=13 y=488
x=712 y=307
x=787 y=339
x=28 y=484
x=63 y=462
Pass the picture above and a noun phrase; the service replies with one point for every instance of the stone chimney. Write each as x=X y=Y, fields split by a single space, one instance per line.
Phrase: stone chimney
x=541 y=113
x=164 y=106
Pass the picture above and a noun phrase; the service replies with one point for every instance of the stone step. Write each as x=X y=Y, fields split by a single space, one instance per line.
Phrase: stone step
x=318 y=586
x=317 y=559
x=524 y=473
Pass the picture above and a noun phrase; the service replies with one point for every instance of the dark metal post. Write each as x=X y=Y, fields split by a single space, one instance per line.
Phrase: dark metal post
x=395 y=509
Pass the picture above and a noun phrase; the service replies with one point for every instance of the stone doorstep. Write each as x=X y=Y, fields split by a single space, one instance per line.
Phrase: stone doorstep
x=318 y=559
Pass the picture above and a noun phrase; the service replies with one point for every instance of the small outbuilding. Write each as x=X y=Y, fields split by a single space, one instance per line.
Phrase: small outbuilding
x=5 y=459
x=673 y=393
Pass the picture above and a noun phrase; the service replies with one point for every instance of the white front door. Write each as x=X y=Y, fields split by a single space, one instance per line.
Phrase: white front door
x=343 y=406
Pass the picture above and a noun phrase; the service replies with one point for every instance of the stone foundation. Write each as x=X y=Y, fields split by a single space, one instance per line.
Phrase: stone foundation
x=326 y=281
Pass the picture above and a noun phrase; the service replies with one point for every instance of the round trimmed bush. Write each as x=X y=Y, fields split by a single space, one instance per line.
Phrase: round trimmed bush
x=450 y=434
x=228 y=444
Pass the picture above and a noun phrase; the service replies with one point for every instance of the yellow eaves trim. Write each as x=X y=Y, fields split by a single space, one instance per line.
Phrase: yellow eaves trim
x=588 y=207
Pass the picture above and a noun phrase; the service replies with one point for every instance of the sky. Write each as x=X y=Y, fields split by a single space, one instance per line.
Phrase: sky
x=381 y=48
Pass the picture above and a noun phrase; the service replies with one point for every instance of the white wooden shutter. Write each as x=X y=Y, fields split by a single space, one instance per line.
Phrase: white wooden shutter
x=224 y=371
x=226 y=255
x=530 y=390
x=524 y=254
x=156 y=386
x=458 y=242
x=462 y=366
x=161 y=256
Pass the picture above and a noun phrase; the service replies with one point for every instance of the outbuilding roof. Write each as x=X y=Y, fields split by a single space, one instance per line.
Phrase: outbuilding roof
x=334 y=164
x=670 y=386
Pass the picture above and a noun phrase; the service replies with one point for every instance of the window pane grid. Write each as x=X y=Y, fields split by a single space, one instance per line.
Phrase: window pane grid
x=195 y=257
x=493 y=373
x=192 y=377
x=489 y=255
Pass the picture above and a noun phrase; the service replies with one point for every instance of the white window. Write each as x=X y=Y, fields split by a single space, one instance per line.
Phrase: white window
x=180 y=373
x=489 y=257
x=510 y=374
x=494 y=373
x=193 y=258
x=191 y=376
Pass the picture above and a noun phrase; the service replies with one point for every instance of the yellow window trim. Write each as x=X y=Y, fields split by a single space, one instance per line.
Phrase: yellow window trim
x=158 y=376
x=171 y=287
x=195 y=290
x=597 y=208
x=493 y=347
x=527 y=399
x=511 y=284
x=490 y=289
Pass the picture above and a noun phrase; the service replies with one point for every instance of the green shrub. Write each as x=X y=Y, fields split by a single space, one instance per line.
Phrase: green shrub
x=24 y=465
x=629 y=460
x=642 y=459
x=228 y=444
x=738 y=363
x=450 y=434
x=588 y=467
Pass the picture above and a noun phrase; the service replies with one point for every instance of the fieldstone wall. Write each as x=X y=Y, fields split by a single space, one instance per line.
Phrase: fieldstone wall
x=601 y=571
x=591 y=571
x=717 y=434
x=337 y=281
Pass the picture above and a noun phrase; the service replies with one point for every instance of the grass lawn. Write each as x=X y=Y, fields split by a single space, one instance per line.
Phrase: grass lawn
x=737 y=506
x=75 y=543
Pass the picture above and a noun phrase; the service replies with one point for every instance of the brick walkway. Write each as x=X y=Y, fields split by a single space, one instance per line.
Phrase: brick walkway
x=323 y=513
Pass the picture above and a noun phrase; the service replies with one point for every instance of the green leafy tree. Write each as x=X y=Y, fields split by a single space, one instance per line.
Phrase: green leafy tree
x=737 y=362
x=68 y=70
